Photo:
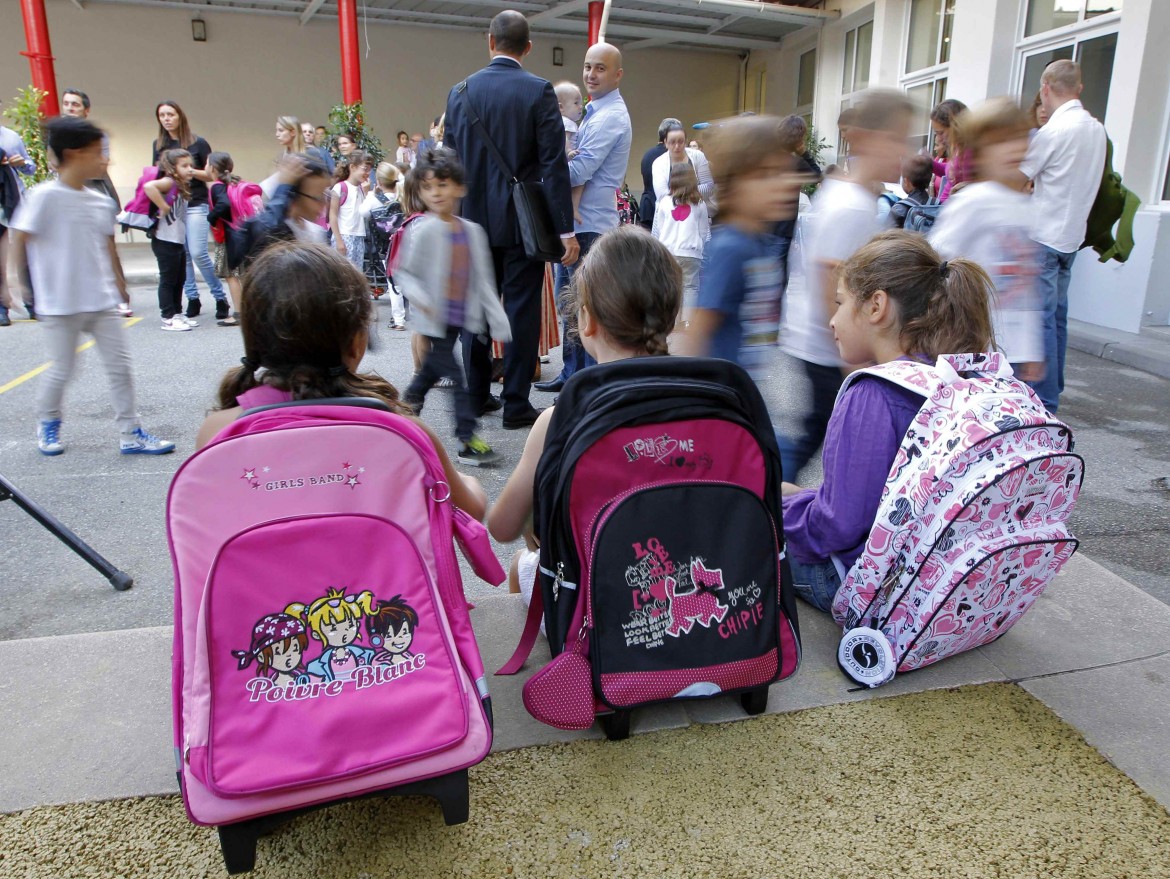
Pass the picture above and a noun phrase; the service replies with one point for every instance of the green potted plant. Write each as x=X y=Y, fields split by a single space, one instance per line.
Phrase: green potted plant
x=25 y=116
x=351 y=119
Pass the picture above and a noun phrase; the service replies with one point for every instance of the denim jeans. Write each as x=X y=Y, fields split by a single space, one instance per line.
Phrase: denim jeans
x=1052 y=284
x=440 y=363
x=798 y=450
x=574 y=356
x=816 y=583
x=197 y=229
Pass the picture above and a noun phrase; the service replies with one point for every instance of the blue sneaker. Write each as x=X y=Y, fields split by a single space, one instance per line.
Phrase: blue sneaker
x=139 y=442
x=49 y=437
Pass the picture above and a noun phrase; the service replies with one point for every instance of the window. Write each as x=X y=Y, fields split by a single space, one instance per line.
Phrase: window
x=858 y=49
x=1094 y=54
x=858 y=52
x=1046 y=15
x=930 y=33
x=925 y=97
x=806 y=80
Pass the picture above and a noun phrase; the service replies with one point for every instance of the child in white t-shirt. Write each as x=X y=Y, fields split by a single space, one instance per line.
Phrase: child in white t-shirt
x=572 y=110
x=844 y=217
x=345 y=203
x=63 y=242
x=682 y=224
x=987 y=220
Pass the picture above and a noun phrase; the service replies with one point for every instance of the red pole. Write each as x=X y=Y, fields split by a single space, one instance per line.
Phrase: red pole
x=40 y=54
x=351 y=65
x=595 y=9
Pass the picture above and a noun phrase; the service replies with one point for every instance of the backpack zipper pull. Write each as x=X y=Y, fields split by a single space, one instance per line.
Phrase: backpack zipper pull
x=558 y=580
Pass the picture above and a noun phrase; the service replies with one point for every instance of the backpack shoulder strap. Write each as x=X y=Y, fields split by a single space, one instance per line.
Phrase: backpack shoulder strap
x=911 y=375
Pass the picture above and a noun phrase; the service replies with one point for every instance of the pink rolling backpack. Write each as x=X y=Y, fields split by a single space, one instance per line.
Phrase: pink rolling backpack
x=662 y=570
x=972 y=522
x=323 y=648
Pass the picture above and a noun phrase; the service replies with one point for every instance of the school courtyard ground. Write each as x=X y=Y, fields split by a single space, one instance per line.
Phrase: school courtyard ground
x=976 y=767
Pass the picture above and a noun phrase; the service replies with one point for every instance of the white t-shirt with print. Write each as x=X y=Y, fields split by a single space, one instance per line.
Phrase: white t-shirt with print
x=843 y=217
x=991 y=224
x=349 y=213
x=68 y=247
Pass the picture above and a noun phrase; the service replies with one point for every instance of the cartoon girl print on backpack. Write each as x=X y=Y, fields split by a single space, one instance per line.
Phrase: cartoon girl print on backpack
x=278 y=646
x=335 y=621
x=391 y=629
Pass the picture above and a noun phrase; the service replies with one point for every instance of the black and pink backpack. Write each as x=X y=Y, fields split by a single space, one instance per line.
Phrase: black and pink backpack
x=662 y=569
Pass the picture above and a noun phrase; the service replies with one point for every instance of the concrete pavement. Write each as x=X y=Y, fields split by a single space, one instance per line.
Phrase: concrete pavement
x=89 y=714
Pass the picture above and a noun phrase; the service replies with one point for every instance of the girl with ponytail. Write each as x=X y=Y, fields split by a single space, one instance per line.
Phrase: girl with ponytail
x=897 y=299
x=305 y=332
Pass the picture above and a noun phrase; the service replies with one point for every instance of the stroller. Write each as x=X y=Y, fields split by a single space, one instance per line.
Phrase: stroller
x=383 y=222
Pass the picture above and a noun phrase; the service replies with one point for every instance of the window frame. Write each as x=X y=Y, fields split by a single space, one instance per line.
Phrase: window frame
x=1071 y=35
x=925 y=76
x=849 y=94
x=919 y=72
x=1081 y=22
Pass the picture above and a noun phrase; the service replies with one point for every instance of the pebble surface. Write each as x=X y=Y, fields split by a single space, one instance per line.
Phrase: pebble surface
x=978 y=782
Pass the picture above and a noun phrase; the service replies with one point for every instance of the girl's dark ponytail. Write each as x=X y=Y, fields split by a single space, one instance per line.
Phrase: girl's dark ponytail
x=944 y=307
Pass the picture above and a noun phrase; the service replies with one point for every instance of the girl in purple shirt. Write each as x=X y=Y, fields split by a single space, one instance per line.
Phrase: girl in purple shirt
x=896 y=298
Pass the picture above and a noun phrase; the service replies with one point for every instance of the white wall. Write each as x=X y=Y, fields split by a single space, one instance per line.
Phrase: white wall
x=254 y=68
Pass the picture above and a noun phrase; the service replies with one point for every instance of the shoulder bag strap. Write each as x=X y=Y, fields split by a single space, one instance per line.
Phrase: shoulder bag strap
x=477 y=123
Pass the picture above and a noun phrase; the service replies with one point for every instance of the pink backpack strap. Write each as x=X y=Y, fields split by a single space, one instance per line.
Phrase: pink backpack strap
x=528 y=638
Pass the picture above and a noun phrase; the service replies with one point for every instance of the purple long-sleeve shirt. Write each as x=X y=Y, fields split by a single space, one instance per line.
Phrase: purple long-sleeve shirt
x=862 y=439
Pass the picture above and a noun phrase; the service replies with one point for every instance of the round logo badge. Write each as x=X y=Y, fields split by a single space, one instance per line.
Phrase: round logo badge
x=866 y=657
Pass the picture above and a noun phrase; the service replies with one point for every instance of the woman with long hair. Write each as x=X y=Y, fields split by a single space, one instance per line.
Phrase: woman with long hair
x=174 y=133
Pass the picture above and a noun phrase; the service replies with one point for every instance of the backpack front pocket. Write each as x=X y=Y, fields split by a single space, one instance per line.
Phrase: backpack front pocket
x=684 y=593
x=327 y=656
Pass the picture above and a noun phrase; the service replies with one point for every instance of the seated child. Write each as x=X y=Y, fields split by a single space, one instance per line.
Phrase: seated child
x=896 y=300
x=917 y=172
x=308 y=307
x=627 y=293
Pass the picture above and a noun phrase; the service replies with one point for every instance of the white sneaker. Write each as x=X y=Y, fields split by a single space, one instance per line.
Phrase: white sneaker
x=49 y=437
x=176 y=324
x=139 y=442
x=189 y=321
x=124 y=310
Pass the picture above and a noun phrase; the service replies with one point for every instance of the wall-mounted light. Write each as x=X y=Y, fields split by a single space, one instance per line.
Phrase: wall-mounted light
x=558 y=56
x=199 y=30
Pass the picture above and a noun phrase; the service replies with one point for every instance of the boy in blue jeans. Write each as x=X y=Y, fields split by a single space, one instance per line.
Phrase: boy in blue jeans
x=63 y=241
x=740 y=284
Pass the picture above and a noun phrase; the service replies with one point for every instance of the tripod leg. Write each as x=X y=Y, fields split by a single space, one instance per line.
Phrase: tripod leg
x=120 y=580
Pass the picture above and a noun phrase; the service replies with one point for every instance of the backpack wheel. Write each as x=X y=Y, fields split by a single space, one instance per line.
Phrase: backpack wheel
x=237 y=842
x=616 y=726
x=754 y=701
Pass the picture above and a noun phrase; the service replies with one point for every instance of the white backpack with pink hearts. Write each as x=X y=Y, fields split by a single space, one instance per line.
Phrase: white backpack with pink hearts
x=972 y=522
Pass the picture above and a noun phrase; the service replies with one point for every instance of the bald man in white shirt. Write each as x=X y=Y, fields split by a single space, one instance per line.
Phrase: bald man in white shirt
x=1065 y=161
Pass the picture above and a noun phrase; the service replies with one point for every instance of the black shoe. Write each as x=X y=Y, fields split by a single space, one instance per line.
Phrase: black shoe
x=550 y=387
x=222 y=309
x=32 y=312
x=523 y=420
x=491 y=404
x=194 y=306
x=5 y=320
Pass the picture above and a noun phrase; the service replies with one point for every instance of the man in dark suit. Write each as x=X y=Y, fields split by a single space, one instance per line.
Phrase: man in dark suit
x=520 y=112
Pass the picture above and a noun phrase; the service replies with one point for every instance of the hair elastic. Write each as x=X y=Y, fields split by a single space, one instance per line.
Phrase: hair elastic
x=337 y=371
x=249 y=363
x=944 y=269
